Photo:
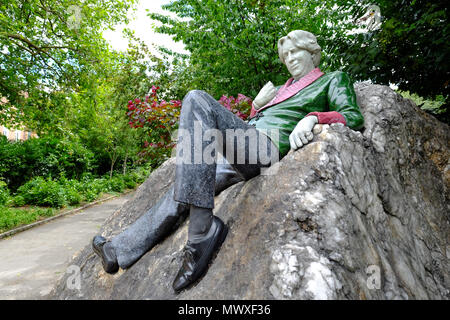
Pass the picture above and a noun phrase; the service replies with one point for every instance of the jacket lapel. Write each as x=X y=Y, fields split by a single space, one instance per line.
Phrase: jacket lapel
x=288 y=89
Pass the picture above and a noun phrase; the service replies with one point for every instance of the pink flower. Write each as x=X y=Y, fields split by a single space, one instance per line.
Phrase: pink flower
x=4 y=100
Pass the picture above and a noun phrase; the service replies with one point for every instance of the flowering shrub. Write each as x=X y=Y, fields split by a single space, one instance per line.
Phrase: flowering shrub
x=160 y=118
x=240 y=106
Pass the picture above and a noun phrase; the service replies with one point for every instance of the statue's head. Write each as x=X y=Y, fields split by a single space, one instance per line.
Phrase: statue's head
x=300 y=52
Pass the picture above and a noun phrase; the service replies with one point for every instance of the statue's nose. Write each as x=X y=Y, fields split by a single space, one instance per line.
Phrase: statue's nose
x=290 y=57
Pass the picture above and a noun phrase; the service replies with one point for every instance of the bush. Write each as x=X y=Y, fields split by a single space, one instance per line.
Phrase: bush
x=19 y=201
x=141 y=174
x=92 y=188
x=59 y=193
x=47 y=157
x=4 y=194
x=129 y=181
x=158 y=119
x=43 y=192
x=116 y=184
x=73 y=197
x=240 y=106
x=72 y=189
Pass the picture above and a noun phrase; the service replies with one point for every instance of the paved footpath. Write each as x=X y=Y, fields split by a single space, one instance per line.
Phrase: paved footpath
x=32 y=261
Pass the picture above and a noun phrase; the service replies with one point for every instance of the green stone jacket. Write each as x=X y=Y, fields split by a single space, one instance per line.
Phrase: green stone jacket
x=331 y=92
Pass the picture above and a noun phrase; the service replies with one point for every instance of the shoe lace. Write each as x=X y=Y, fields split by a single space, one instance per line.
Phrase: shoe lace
x=189 y=252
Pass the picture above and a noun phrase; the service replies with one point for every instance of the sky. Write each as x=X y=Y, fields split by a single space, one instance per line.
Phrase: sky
x=142 y=25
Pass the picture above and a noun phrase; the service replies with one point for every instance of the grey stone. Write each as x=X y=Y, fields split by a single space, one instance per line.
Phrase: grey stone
x=349 y=216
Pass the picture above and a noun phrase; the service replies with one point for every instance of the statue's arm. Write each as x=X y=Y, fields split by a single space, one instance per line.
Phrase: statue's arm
x=342 y=104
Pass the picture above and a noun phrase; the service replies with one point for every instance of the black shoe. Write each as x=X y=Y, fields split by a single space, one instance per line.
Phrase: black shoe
x=198 y=255
x=104 y=250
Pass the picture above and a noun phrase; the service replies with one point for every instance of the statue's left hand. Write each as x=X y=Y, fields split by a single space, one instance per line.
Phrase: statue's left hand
x=302 y=133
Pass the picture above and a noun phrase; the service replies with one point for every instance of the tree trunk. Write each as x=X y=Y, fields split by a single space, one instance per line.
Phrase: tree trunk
x=125 y=163
x=113 y=161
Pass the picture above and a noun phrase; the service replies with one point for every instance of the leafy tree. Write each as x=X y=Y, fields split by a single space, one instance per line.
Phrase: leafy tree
x=233 y=42
x=98 y=114
x=49 y=46
x=411 y=47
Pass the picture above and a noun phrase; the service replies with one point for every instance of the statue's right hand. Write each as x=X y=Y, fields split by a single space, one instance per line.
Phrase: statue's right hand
x=267 y=93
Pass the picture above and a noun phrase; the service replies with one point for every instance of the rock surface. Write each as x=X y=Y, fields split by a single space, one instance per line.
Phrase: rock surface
x=352 y=215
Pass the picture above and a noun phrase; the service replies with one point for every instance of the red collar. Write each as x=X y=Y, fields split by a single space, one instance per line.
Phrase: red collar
x=288 y=89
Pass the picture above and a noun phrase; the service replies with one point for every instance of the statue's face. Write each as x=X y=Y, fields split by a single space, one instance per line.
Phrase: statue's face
x=298 y=61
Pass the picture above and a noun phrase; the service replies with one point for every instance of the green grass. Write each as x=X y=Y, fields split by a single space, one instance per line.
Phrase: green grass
x=11 y=218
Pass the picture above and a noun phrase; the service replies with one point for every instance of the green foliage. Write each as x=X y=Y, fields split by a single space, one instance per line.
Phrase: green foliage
x=72 y=190
x=116 y=184
x=436 y=107
x=92 y=188
x=78 y=85
x=129 y=182
x=140 y=174
x=51 y=45
x=45 y=157
x=4 y=194
x=410 y=49
x=62 y=192
x=43 y=192
x=59 y=193
x=233 y=44
x=430 y=105
x=13 y=217
x=97 y=116
x=18 y=201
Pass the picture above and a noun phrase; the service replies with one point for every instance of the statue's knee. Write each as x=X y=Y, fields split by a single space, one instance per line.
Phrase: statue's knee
x=195 y=99
x=193 y=94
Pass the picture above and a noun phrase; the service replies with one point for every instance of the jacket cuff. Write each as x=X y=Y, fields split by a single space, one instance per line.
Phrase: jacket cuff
x=328 y=117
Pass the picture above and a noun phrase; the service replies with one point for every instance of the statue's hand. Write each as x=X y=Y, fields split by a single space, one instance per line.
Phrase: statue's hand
x=302 y=133
x=267 y=93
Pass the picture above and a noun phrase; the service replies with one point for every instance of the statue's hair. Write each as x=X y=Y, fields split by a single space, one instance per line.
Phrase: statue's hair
x=304 y=40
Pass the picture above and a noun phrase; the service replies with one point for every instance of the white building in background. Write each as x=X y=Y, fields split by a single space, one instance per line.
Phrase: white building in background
x=16 y=135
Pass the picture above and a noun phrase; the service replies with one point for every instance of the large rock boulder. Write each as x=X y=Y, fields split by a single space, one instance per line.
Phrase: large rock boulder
x=352 y=215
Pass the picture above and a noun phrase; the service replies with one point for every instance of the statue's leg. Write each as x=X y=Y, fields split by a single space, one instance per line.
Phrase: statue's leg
x=207 y=129
x=167 y=214
x=160 y=220
x=202 y=116
x=149 y=229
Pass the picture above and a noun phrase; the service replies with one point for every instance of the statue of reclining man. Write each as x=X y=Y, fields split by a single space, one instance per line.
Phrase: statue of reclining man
x=282 y=118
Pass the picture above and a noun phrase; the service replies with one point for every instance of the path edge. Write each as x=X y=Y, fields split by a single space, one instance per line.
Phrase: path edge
x=37 y=223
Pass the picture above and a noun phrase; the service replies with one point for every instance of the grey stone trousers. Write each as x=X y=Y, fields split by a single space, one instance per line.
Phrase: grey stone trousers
x=162 y=219
x=206 y=127
x=195 y=183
